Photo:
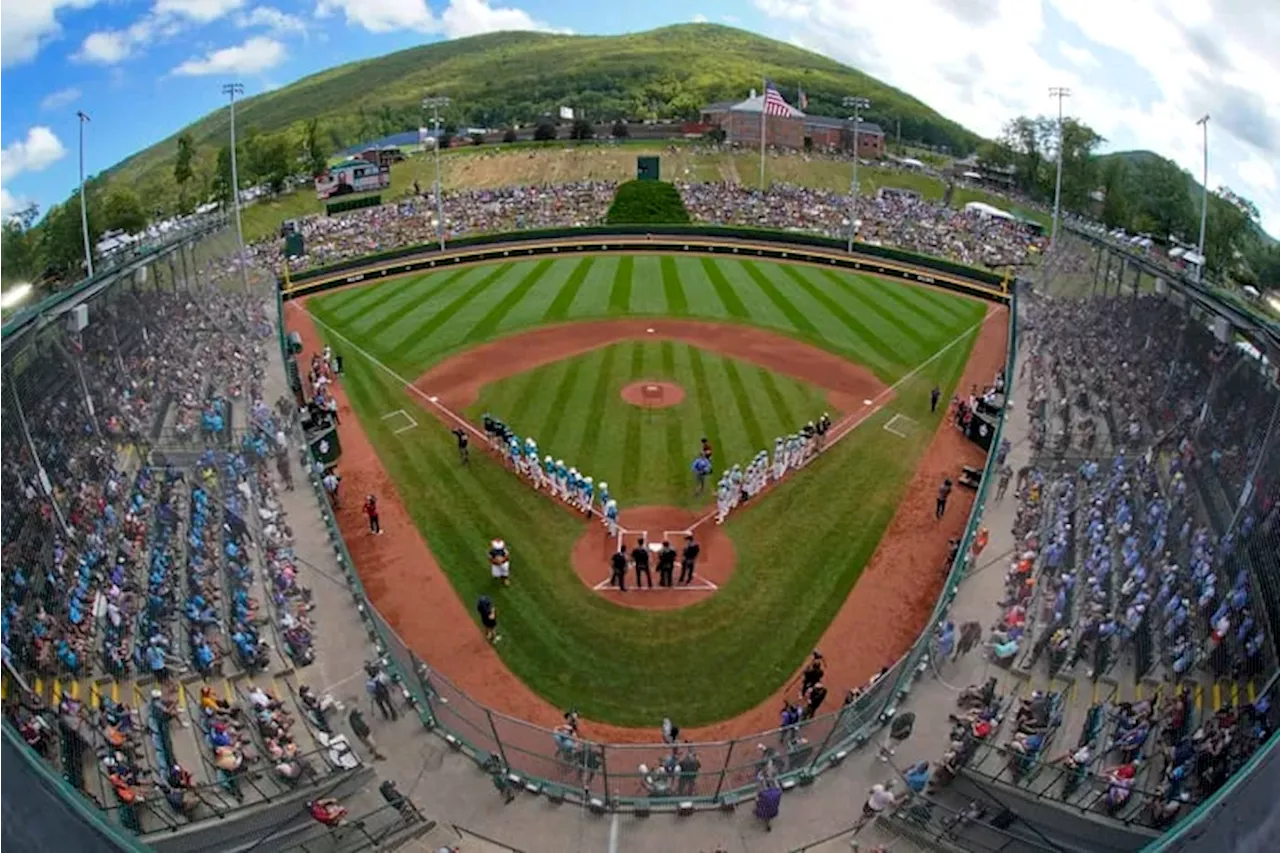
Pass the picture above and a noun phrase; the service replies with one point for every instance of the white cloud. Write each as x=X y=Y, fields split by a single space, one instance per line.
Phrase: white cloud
x=699 y=18
x=1257 y=172
x=256 y=55
x=1078 y=56
x=201 y=11
x=37 y=152
x=460 y=18
x=106 y=47
x=61 y=98
x=40 y=150
x=29 y=24
x=271 y=19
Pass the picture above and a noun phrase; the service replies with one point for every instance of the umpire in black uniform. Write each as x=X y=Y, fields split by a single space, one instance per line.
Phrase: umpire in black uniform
x=618 y=569
x=666 y=565
x=688 y=559
x=640 y=559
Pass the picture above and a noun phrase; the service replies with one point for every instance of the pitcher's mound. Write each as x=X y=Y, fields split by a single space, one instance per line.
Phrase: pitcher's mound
x=653 y=394
x=714 y=565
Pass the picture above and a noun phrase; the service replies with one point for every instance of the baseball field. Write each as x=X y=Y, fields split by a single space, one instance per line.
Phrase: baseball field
x=745 y=351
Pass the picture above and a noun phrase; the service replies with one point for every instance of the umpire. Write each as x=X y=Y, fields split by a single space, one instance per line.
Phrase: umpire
x=688 y=559
x=618 y=569
x=640 y=559
x=666 y=565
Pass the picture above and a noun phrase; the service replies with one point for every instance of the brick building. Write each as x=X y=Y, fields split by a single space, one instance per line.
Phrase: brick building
x=740 y=122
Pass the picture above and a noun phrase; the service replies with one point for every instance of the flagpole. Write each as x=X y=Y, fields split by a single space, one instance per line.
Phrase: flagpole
x=764 y=99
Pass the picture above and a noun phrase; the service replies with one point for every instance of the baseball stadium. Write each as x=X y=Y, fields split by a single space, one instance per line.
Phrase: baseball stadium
x=590 y=513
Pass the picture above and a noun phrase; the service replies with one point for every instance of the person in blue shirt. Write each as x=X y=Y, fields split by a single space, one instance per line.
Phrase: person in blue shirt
x=701 y=469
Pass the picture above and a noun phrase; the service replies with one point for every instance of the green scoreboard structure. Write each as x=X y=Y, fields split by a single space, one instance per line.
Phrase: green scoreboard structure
x=647 y=169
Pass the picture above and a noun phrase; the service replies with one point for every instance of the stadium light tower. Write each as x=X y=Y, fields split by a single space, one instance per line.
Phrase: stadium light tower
x=1204 y=196
x=233 y=89
x=1059 y=92
x=856 y=104
x=434 y=103
x=84 y=210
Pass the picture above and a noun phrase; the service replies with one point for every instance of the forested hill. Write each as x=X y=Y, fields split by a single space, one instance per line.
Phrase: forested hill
x=503 y=78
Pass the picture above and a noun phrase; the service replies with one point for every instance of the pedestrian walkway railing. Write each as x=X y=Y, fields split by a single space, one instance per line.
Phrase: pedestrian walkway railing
x=609 y=775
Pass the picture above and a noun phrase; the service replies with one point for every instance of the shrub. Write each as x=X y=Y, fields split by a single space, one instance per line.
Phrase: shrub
x=510 y=135
x=645 y=203
x=544 y=132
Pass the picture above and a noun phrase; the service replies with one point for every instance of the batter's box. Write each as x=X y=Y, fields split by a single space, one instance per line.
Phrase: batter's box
x=408 y=421
x=901 y=426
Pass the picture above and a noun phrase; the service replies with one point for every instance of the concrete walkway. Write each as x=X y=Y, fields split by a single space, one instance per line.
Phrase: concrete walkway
x=450 y=789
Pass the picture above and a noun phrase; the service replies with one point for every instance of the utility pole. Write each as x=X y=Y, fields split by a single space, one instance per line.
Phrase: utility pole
x=84 y=210
x=434 y=103
x=857 y=104
x=1059 y=92
x=1200 y=270
x=233 y=89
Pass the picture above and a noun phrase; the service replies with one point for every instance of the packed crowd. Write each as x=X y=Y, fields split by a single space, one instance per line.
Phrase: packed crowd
x=1116 y=565
x=896 y=220
x=141 y=567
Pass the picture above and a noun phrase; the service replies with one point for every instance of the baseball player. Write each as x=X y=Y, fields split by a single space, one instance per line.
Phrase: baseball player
x=562 y=478
x=531 y=467
x=500 y=562
x=724 y=491
x=735 y=480
x=514 y=453
x=587 y=492
x=611 y=517
x=824 y=427
x=603 y=491
x=571 y=487
x=490 y=427
x=779 y=458
x=549 y=473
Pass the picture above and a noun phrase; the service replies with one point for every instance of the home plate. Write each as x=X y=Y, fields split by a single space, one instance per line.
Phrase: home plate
x=650 y=331
x=434 y=399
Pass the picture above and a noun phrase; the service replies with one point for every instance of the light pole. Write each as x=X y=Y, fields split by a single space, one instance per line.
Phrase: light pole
x=857 y=104
x=84 y=210
x=434 y=103
x=1059 y=92
x=233 y=89
x=1204 y=197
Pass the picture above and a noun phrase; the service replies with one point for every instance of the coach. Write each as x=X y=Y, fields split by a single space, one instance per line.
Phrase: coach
x=618 y=569
x=640 y=559
x=688 y=559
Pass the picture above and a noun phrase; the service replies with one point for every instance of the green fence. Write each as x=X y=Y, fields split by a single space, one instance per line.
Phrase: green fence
x=607 y=775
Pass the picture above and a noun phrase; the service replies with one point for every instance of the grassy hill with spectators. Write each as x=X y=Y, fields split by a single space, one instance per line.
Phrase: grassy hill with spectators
x=501 y=79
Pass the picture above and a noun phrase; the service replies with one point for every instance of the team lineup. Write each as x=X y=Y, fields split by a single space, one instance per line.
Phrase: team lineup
x=736 y=486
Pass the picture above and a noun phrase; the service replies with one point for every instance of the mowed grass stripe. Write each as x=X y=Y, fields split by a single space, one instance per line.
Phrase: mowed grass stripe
x=420 y=339
x=342 y=304
x=677 y=302
x=706 y=404
x=918 y=302
x=675 y=458
x=867 y=299
x=596 y=408
x=788 y=419
x=884 y=353
x=793 y=314
x=746 y=406
x=728 y=296
x=620 y=294
x=631 y=441
x=559 y=406
x=428 y=287
x=489 y=323
x=559 y=310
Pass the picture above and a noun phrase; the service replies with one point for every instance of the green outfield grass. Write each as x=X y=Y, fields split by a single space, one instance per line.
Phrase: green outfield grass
x=722 y=656
x=645 y=455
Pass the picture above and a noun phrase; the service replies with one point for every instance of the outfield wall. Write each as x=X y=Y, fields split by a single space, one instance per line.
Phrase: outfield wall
x=746 y=243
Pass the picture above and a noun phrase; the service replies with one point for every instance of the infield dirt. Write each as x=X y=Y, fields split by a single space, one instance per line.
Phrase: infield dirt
x=882 y=616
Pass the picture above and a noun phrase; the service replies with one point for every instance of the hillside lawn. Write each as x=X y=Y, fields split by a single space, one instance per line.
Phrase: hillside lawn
x=720 y=657
x=492 y=166
x=645 y=454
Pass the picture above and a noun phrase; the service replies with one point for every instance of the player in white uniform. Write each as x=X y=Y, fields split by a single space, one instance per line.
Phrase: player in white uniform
x=735 y=481
x=724 y=492
x=549 y=473
x=571 y=487
x=562 y=477
x=611 y=517
x=586 y=494
x=531 y=467
x=603 y=491
x=500 y=562
x=779 y=458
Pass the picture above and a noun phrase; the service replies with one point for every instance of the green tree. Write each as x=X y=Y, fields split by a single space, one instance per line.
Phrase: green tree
x=620 y=130
x=1116 y=212
x=1232 y=222
x=581 y=129
x=544 y=132
x=19 y=257
x=317 y=156
x=222 y=186
x=1022 y=136
x=272 y=159
x=182 y=172
x=1162 y=204
x=122 y=211
x=61 y=242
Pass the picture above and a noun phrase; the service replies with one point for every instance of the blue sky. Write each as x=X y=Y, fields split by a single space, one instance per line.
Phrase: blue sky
x=1141 y=71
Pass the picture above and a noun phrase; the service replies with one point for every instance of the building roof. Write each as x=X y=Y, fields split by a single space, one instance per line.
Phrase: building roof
x=349 y=164
x=719 y=107
x=756 y=105
x=864 y=127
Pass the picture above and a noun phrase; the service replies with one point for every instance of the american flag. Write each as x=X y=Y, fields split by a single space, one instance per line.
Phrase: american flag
x=774 y=103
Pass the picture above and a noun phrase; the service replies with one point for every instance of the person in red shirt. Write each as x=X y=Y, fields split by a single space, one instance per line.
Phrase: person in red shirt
x=371 y=510
x=328 y=811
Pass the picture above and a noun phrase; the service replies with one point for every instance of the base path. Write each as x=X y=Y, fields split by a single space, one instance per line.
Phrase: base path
x=877 y=623
x=715 y=563
x=652 y=394
x=457 y=380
